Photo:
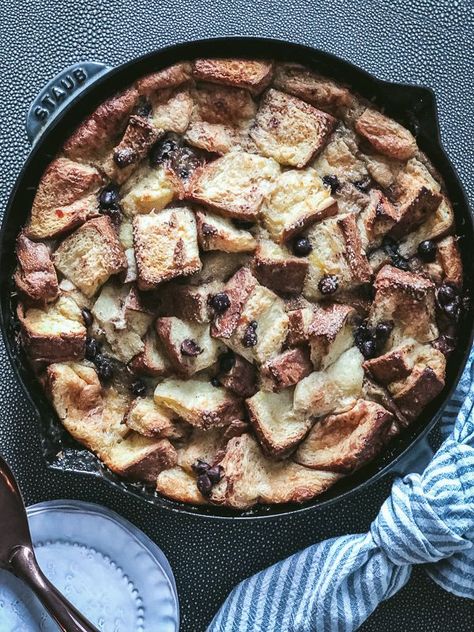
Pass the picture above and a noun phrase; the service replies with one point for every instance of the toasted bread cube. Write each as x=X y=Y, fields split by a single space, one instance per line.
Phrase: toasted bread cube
x=275 y=268
x=334 y=390
x=177 y=484
x=218 y=233
x=307 y=85
x=138 y=458
x=202 y=445
x=254 y=75
x=218 y=267
x=171 y=110
x=69 y=290
x=299 y=320
x=170 y=77
x=437 y=224
x=238 y=289
x=330 y=334
x=152 y=361
x=251 y=478
x=394 y=365
x=290 y=130
x=337 y=251
x=137 y=140
x=189 y=302
x=241 y=379
x=278 y=428
x=65 y=198
x=149 y=190
x=188 y=346
x=150 y=420
x=199 y=403
x=35 y=277
x=341 y=158
x=91 y=255
x=165 y=246
x=287 y=369
x=54 y=333
x=262 y=327
x=424 y=383
x=215 y=138
x=123 y=319
x=347 y=441
x=450 y=261
x=298 y=200
x=417 y=197
x=97 y=135
x=94 y=416
x=386 y=135
x=408 y=300
x=235 y=184
x=376 y=220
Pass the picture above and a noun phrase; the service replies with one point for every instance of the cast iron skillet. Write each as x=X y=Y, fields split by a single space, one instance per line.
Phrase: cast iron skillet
x=73 y=94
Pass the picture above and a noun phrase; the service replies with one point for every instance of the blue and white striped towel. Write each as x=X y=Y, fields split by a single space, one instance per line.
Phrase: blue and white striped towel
x=335 y=585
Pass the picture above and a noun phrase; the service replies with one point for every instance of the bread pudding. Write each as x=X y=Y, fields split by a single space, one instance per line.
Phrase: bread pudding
x=238 y=282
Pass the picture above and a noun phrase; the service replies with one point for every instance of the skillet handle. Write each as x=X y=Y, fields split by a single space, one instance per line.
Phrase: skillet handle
x=58 y=93
x=25 y=566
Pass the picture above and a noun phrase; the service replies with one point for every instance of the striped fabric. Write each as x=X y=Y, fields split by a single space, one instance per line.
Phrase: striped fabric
x=335 y=585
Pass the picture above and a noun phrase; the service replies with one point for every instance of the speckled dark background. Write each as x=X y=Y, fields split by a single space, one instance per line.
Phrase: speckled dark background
x=421 y=42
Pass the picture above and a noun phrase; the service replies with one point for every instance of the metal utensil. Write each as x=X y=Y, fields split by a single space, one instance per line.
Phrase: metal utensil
x=17 y=556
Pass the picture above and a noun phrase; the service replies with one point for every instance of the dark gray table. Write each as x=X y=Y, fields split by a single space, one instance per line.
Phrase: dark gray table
x=423 y=42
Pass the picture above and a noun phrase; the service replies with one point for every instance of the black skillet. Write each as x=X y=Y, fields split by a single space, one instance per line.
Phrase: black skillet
x=73 y=94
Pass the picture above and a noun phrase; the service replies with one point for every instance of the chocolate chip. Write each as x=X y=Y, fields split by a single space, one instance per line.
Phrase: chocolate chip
x=363 y=185
x=390 y=247
x=383 y=331
x=115 y=214
x=227 y=362
x=215 y=474
x=427 y=250
x=220 y=302
x=87 y=316
x=138 y=388
x=104 y=367
x=200 y=466
x=332 y=181
x=92 y=348
x=204 y=484
x=215 y=381
x=368 y=349
x=250 y=337
x=109 y=196
x=163 y=151
x=328 y=284
x=143 y=108
x=190 y=348
x=185 y=161
x=445 y=343
x=124 y=157
x=302 y=247
x=446 y=294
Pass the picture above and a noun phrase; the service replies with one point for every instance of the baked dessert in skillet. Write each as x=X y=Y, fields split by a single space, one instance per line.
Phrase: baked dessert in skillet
x=238 y=281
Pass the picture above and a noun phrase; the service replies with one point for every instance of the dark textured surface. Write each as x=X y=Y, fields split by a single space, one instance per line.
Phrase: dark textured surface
x=417 y=42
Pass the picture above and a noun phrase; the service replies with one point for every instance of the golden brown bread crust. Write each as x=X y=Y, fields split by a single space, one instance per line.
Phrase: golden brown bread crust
x=450 y=260
x=290 y=130
x=65 y=198
x=307 y=85
x=241 y=73
x=355 y=256
x=45 y=343
x=238 y=289
x=241 y=379
x=386 y=135
x=347 y=441
x=93 y=138
x=284 y=275
x=167 y=78
x=389 y=367
x=88 y=273
x=286 y=369
x=35 y=277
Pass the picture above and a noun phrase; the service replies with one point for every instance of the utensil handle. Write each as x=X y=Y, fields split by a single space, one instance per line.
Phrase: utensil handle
x=58 y=93
x=25 y=566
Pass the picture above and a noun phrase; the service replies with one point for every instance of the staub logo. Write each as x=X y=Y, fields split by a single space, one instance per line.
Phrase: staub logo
x=58 y=92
